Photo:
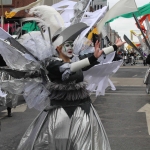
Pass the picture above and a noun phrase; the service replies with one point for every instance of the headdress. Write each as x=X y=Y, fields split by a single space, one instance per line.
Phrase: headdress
x=69 y=34
x=46 y=13
x=49 y=15
x=41 y=49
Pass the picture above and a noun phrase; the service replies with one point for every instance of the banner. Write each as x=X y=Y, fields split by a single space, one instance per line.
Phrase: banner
x=120 y=8
x=143 y=10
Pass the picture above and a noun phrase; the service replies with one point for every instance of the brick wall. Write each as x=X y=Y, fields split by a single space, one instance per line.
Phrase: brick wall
x=16 y=4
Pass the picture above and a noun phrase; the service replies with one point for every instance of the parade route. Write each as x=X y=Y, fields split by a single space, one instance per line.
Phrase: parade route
x=124 y=114
x=125 y=123
x=75 y=75
x=19 y=108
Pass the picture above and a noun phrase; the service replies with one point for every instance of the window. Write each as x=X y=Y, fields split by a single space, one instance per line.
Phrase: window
x=6 y=2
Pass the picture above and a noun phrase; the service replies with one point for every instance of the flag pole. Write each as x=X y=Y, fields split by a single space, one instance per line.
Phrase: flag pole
x=131 y=44
x=138 y=24
x=148 y=28
x=147 y=23
x=8 y=27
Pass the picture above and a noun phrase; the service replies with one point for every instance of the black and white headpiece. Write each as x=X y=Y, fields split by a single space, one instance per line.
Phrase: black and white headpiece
x=69 y=34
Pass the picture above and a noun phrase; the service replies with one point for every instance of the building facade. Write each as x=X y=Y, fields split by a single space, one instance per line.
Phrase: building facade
x=8 y=5
x=98 y=4
x=10 y=24
x=51 y=2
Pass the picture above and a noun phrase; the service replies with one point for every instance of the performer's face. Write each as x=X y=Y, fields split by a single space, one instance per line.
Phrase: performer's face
x=67 y=48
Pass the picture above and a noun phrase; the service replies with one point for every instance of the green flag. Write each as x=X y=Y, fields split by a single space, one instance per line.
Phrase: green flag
x=143 y=10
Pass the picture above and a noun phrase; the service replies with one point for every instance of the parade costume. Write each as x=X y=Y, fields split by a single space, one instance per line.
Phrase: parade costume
x=68 y=120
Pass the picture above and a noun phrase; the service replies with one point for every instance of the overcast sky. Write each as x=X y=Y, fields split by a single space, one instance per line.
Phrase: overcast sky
x=123 y=25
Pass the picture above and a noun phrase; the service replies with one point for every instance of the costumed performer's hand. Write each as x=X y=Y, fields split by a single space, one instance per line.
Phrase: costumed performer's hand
x=97 y=52
x=119 y=42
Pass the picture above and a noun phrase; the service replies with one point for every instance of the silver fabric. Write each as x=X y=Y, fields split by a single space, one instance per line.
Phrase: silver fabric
x=3 y=101
x=34 y=92
x=36 y=45
x=54 y=130
x=66 y=75
x=11 y=99
x=65 y=68
x=79 y=9
x=36 y=95
x=17 y=60
x=82 y=46
x=4 y=76
x=13 y=86
x=16 y=86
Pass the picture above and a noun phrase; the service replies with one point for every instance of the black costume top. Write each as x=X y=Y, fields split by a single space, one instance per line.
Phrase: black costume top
x=72 y=92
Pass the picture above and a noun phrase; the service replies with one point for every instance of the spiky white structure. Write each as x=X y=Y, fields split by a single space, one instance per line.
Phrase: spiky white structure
x=49 y=15
x=51 y=18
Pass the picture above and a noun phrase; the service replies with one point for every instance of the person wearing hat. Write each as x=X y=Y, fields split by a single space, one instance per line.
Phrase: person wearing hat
x=70 y=121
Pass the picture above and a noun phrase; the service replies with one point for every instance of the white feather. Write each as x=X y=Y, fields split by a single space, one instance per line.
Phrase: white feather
x=49 y=15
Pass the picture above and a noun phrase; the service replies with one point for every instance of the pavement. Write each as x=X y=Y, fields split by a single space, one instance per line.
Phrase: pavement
x=130 y=75
x=128 y=81
x=125 y=113
x=125 y=125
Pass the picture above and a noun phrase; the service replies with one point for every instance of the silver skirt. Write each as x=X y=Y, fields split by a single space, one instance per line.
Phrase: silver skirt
x=54 y=130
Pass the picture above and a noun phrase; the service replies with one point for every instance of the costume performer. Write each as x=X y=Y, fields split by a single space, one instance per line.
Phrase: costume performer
x=55 y=83
x=70 y=122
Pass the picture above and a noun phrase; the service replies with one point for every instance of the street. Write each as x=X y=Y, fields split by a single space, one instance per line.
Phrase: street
x=125 y=113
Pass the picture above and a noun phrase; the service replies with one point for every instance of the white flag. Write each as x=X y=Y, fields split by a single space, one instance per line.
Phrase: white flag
x=120 y=8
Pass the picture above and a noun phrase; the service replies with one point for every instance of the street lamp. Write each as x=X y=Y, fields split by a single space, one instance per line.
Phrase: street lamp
x=2 y=18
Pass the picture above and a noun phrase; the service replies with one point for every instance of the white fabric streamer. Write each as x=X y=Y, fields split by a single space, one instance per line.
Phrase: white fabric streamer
x=2 y=94
x=98 y=76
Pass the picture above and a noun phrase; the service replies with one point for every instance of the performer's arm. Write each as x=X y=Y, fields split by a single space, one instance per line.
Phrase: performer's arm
x=84 y=64
x=67 y=69
x=110 y=49
x=92 y=60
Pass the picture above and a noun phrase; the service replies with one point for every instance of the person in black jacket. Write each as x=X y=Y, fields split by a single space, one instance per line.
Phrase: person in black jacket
x=148 y=59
